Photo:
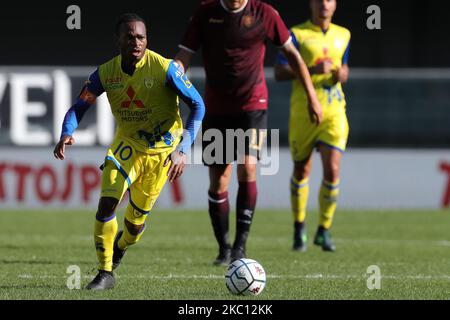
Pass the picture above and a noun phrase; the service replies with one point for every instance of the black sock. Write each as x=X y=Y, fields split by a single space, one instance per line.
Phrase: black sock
x=245 y=208
x=298 y=229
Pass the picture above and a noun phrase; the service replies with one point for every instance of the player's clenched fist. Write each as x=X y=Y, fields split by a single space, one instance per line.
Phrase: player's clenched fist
x=60 y=147
x=341 y=74
x=323 y=67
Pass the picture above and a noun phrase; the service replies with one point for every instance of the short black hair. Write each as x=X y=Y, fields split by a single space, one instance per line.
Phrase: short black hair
x=127 y=17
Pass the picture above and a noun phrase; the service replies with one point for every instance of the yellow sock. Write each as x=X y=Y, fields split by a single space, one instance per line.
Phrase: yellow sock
x=327 y=202
x=127 y=239
x=299 y=198
x=104 y=232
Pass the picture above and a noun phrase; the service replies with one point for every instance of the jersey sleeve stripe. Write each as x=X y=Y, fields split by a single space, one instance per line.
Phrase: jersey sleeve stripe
x=286 y=43
x=186 y=48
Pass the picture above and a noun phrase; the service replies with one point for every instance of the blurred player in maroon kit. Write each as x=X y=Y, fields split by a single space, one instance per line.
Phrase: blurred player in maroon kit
x=232 y=35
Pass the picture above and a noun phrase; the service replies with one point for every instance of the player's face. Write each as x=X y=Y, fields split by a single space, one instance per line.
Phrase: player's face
x=133 y=40
x=323 y=9
x=234 y=4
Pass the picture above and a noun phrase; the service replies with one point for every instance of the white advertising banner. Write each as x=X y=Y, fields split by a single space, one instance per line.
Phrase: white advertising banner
x=371 y=179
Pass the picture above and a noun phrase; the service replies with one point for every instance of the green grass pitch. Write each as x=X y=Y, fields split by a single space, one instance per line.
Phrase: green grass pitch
x=173 y=259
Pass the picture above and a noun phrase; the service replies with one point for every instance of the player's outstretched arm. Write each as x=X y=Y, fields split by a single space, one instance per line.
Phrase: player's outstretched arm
x=177 y=81
x=300 y=70
x=87 y=97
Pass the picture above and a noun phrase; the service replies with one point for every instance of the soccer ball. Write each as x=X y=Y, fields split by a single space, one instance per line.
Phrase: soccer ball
x=245 y=277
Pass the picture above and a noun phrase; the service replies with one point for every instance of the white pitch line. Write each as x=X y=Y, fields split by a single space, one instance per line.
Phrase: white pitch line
x=439 y=243
x=317 y=276
x=405 y=242
x=444 y=243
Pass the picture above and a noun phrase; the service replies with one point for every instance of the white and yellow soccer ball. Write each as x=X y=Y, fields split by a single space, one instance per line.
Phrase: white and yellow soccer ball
x=245 y=277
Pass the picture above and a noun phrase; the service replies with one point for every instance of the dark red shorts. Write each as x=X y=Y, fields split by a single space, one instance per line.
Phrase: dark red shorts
x=228 y=138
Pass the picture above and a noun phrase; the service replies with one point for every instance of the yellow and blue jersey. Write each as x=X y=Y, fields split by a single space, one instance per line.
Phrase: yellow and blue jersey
x=315 y=46
x=145 y=105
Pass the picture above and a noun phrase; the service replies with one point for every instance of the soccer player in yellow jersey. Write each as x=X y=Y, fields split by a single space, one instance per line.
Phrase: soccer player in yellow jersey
x=324 y=46
x=150 y=144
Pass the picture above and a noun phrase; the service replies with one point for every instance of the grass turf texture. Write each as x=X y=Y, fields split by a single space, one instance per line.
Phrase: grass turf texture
x=173 y=259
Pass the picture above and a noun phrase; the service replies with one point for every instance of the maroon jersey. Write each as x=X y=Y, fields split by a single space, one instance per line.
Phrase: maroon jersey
x=233 y=45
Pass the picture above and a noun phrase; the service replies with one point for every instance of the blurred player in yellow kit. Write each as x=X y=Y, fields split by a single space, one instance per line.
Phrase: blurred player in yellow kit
x=325 y=47
x=143 y=89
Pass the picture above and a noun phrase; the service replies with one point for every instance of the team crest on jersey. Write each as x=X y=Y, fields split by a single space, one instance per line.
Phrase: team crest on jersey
x=149 y=82
x=136 y=213
x=247 y=21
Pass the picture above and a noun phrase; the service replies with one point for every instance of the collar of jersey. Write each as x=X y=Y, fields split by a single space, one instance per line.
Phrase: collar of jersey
x=317 y=28
x=233 y=11
x=139 y=65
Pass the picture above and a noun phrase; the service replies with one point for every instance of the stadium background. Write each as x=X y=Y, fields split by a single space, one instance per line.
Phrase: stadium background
x=398 y=101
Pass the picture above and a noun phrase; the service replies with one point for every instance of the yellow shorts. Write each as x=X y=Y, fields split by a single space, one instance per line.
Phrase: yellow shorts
x=143 y=175
x=305 y=135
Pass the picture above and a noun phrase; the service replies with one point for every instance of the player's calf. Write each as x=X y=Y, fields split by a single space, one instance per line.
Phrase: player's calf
x=130 y=235
x=105 y=229
x=117 y=252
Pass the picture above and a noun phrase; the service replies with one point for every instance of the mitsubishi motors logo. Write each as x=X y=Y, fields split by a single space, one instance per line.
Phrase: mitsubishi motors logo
x=131 y=94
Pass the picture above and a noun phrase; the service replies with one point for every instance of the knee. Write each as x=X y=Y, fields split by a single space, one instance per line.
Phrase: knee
x=302 y=171
x=219 y=186
x=134 y=229
x=106 y=207
x=247 y=172
x=219 y=182
x=331 y=173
